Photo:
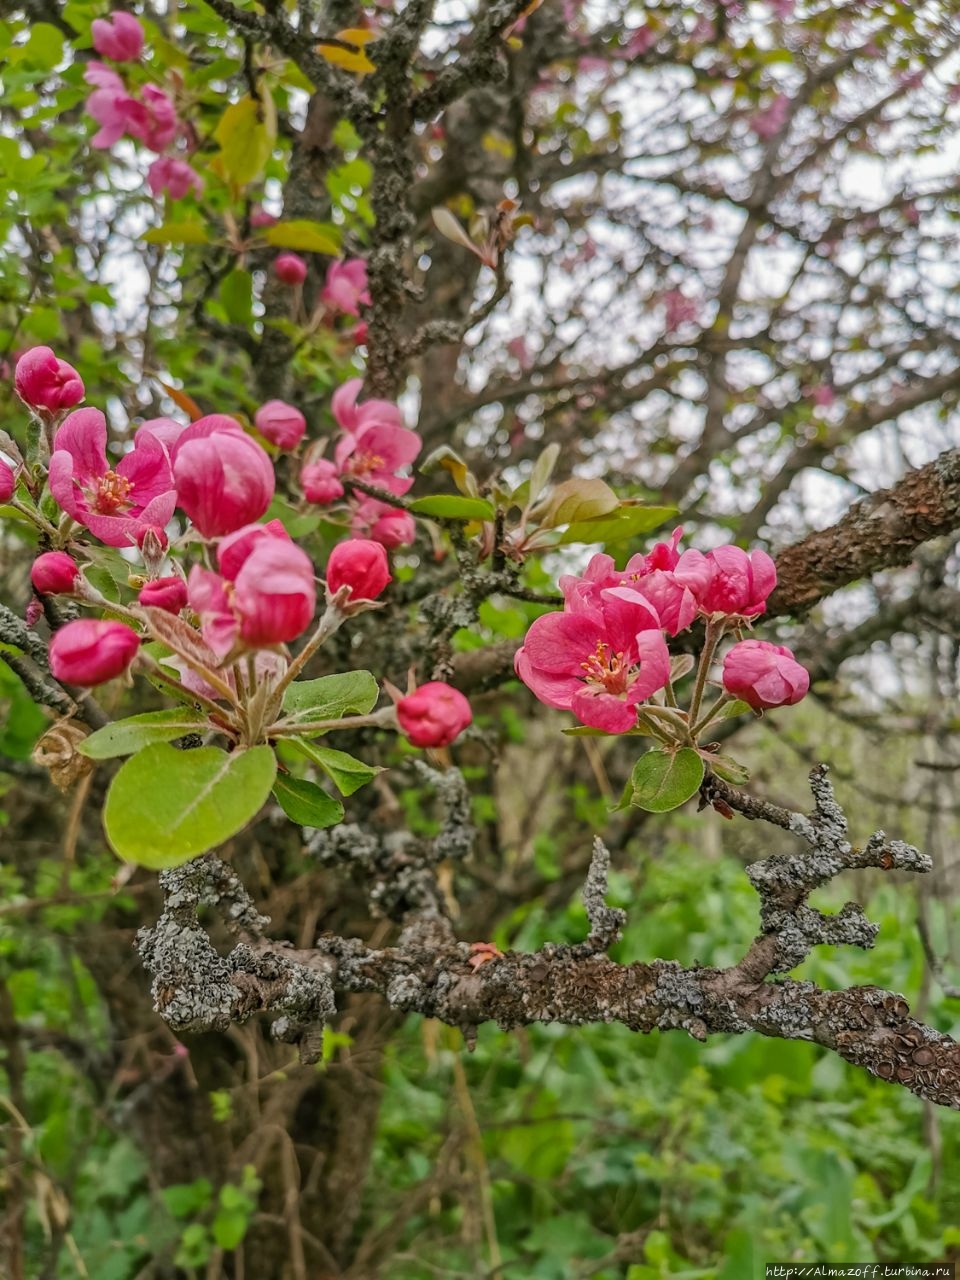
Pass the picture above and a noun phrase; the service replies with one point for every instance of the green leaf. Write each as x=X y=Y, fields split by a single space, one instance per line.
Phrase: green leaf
x=229 y=1227
x=350 y=693
x=576 y=500
x=542 y=471
x=736 y=708
x=246 y=132
x=305 y=803
x=191 y=232
x=44 y=49
x=184 y=1199
x=663 y=780
x=236 y=294
x=124 y=737
x=312 y=237
x=728 y=769
x=347 y=773
x=627 y=522
x=451 y=506
x=166 y=806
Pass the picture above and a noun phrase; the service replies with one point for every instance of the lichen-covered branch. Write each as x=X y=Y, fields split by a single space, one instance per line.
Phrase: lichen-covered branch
x=429 y=971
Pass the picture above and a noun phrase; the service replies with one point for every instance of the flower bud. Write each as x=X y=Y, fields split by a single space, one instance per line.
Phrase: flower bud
x=280 y=423
x=54 y=573
x=434 y=714
x=224 y=479
x=234 y=549
x=360 y=565
x=728 y=580
x=764 y=675
x=290 y=268
x=320 y=482
x=153 y=543
x=395 y=528
x=274 y=594
x=169 y=594
x=90 y=651
x=119 y=37
x=44 y=382
x=8 y=482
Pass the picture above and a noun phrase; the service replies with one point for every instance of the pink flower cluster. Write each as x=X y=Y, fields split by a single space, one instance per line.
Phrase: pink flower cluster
x=373 y=446
x=264 y=595
x=150 y=118
x=344 y=292
x=606 y=653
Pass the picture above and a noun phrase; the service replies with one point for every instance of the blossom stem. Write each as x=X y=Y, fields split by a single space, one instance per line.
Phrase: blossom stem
x=156 y=670
x=714 y=631
x=34 y=516
x=651 y=726
x=711 y=714
x=331 y=621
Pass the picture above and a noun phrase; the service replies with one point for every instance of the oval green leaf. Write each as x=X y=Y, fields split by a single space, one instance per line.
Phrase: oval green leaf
x=350 y=693
x=311 y=237
x=305 y=803
x=166 y=806
x=346 y=772
x=628 y=522
x=124 y=737
x=663 y=781
x=451 y=506
x=246 y=132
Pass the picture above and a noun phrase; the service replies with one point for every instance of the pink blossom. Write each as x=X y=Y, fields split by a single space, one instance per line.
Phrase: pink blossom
x=115 y=504
x=319 y=482
x=729 y=581
x=651 y=575
x=782 y=8
x=8 y=482
x=824 y=395
x=434 y=714
x=360 y=564
x=115 y=110
x=374 y=444
x=119 y=37
x=174 y=176
x=161 y=119
x=280 y=423
x=43 y=381
x=679 y=310
x=353 y=418
x=359 y=334
x=207 y=594
x=641 y=41
x=167 y=430
x=224 y=479
x=600 y=660
x=260 y=218
x=169 y=594
x=345 y=289
x=54 y=573
x=764 y=675
x=290 y=268
x=234 y=550
x=388 y=525
x=270 y=601
x=90 y=651
x=274 y=593
x=517 y=347
x=767 y=123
